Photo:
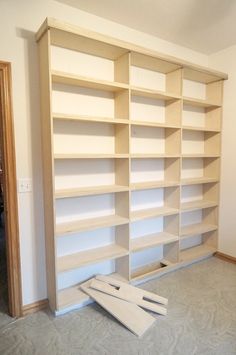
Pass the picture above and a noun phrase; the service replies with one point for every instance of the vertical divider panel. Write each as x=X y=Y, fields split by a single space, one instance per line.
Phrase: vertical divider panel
x=181 y=160
x=129 y=173
x=121 y=68
x=122 y=110
x=214 y=92
x=48 y=167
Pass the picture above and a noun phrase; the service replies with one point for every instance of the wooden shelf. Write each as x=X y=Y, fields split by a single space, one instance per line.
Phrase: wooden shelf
x=194 y=205
x=197 y=155
x=197 y=252
x=152 y=240
x=153 y=124
x=153 y=94
x=92 y=256
x=152 y=185
x=195 y=229
x=200 y=180
x=73 y=297
x=199 y=103
x=89 y=224
x=65 y=117
x=93 y=190
x=204 y=129
x=90 y=156
x=76 y=80
x=152 y=212
x=153 y=156
x=150 y=270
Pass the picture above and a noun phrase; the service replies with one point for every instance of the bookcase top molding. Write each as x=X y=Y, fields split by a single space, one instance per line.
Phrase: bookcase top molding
x=113 y=48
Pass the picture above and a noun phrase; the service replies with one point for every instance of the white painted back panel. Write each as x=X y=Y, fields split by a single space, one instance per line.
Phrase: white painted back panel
x=84 y=173
x=145 y=199
x=193 y=142
x=194 y=89
x=73 y=209
x=145 y=227
x=82 y=64
x=84 y=241
x=147 y=140
x=146 y=257
x=83 y=138
x=143 y=170
x=67 y=279
x=82 y=101
x=191 y=193
x=192 y=168
x=147 y=109
x=193 y=116
x=147 y=78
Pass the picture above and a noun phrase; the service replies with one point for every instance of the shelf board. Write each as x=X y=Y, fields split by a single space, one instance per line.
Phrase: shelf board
x=92 y=256
x=152 y=184
x=73 y=297
x=196 y=128
x=152 y=240
x=197 y=155
x=197 y=228
x=93 y=190
x=154 y=94
x=200 y=180
x=152 y=212
x=194 y=205
x=153 y=124
x=90 y=156
x=153 y=156
x=89 y=224
x=74 y=118
x=76 y=80
x=199 y=251
x=199 y=102
x=201 y=76
x=149 y=270
x=70 y=297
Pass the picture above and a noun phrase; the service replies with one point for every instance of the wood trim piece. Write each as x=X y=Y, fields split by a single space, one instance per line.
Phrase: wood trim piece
x=10 y=191
x=34 y=307
x=48 y=167
x=225 y=257
x=60 y=25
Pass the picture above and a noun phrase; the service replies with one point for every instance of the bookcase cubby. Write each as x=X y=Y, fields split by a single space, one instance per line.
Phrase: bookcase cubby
x=131 y=160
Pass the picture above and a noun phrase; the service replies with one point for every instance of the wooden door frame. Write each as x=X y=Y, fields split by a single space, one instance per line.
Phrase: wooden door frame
x=10 y=191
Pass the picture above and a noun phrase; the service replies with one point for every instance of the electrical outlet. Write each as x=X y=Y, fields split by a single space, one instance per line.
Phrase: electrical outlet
x=24 y=185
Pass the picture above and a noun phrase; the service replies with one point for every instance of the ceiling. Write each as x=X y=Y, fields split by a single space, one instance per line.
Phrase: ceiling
x=206 y=26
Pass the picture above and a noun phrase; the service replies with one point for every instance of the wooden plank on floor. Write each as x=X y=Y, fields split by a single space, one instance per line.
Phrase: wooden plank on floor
x=121 y=290
x=130 y=315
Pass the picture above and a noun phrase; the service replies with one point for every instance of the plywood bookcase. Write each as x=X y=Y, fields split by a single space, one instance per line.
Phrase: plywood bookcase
x=131 y=154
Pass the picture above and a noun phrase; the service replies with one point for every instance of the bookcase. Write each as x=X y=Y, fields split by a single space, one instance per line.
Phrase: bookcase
x=131 y=160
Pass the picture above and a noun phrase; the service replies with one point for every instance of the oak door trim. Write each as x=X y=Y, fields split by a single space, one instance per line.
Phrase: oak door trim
x=10 y=191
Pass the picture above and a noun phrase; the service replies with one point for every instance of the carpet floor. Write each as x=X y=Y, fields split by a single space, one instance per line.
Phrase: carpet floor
x=201 y=320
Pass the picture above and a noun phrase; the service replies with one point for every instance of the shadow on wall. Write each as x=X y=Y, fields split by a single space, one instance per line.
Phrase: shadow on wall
x=33 y=109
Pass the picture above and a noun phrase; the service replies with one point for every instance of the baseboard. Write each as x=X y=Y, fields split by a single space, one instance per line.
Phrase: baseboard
x=222 y=256
x=34 y=307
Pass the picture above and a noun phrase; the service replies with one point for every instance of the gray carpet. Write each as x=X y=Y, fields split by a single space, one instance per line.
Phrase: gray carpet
x=201 y=320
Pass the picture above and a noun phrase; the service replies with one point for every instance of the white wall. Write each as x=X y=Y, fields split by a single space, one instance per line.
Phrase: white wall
x=19 y=20
x=225 y=61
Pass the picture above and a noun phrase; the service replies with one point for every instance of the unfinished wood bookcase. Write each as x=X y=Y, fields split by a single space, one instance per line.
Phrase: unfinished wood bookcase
x=131 y=154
